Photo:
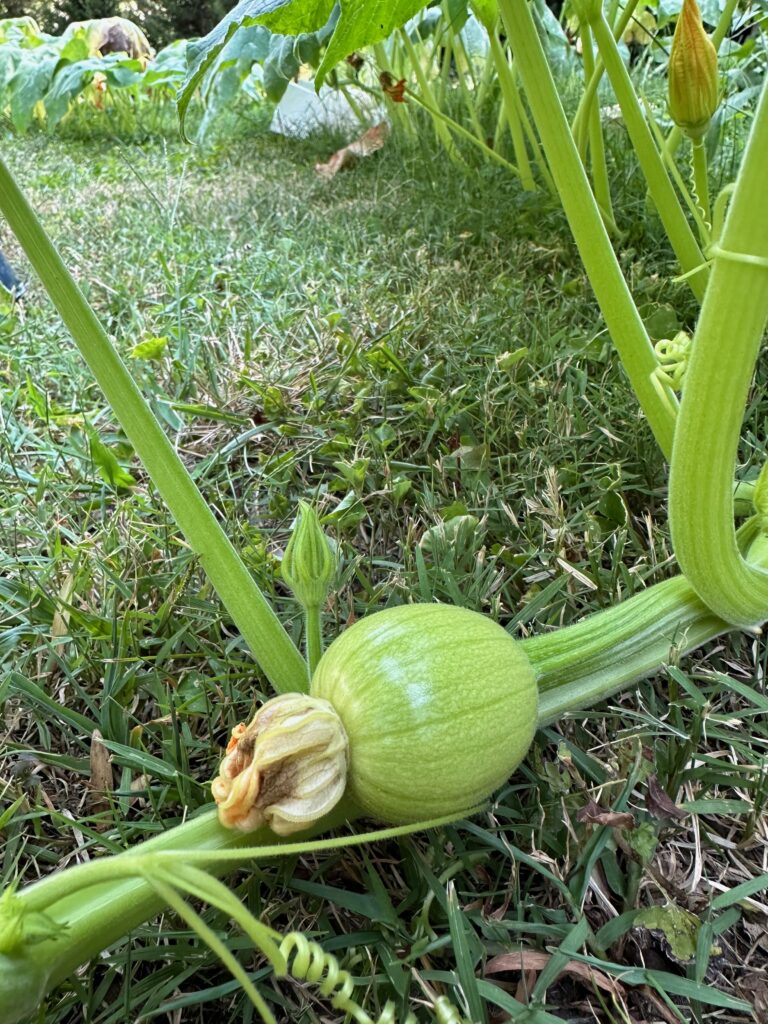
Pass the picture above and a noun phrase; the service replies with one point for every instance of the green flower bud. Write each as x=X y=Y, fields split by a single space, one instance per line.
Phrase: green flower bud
x=694 y=92
x=287 y=768
x=309 y=563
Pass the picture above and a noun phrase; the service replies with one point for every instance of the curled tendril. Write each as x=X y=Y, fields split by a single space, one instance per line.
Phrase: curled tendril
x=701 y=201
x=673 y=355
x=308 y=961
x=296 y=956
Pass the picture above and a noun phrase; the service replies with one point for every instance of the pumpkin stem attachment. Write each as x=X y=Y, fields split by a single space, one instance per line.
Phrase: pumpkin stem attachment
x=285 y=769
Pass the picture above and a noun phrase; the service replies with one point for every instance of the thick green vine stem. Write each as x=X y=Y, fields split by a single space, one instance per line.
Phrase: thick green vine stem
x=578 y=665
x=102 y=900
x=624 y=323
x=592 y=81
x=725 y=347
x=251 y=613
x=670 y=211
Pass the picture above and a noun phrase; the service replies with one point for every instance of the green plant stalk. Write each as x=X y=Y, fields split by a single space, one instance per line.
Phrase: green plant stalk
x=270 y=644
x=486 y=83
x=578 y=665
x=529 y=132
x=511 y=103
x=677 y=228
x=680 y=184
x=580 y=122
x=701 y=182
x=467 y=98
x=725 y=347
x=533 y=142
x=313 y=630
x=613 y=296
x=600 y=181
x=444 y=64
x=464 y=133
x=466 y=71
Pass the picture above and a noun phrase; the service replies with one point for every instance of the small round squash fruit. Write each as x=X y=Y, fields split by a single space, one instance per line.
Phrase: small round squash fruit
x=439 y=706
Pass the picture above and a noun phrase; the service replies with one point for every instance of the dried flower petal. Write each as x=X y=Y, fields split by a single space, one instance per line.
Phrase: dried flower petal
x=286 y=769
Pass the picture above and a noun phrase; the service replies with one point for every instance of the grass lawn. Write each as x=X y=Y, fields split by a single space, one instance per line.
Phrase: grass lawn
x=419 y=353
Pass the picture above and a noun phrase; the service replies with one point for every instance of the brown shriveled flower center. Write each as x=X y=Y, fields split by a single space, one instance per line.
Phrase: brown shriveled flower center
x=286 y=768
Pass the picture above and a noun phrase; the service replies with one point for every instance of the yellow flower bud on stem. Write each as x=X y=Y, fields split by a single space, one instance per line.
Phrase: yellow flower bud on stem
x=694 y=93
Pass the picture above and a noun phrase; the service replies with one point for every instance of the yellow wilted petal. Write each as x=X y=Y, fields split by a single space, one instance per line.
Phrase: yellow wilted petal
x=286 y=769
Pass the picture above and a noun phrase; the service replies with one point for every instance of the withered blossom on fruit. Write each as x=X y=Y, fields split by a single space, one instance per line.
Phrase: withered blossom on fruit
x=286 y=768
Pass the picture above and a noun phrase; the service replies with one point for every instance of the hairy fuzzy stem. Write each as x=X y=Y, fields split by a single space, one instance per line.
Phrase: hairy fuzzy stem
x=725 y=347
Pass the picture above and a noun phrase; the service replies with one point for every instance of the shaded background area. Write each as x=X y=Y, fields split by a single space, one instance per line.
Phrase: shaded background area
x=161 y=20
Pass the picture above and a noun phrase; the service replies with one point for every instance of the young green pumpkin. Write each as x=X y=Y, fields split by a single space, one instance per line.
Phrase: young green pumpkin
x=439 y=704
x=424 y=710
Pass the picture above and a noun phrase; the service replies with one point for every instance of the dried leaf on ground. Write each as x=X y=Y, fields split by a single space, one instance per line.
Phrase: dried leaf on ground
x=369 y=142
x=659 y=804
x=101 y=773
x=531 y=960
x=593 y=814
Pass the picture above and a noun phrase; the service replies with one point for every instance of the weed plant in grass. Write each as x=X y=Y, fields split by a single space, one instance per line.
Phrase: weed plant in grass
x=420 y=353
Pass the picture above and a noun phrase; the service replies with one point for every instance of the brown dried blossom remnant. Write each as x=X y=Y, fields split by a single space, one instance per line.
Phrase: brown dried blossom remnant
x=286 y=768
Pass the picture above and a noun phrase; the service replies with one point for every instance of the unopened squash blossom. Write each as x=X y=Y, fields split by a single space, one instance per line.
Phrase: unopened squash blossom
x=694 y=91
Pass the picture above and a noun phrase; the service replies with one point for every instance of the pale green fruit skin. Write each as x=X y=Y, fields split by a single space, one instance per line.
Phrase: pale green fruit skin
x=439 y=704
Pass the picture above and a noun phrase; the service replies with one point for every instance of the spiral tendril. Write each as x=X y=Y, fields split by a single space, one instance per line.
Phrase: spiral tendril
x=699 y=186
x=308 y=961
x=673 y=355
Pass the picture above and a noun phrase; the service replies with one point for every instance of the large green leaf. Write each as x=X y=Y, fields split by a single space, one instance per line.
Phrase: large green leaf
x=70 y=80
x=290 y=17
x=168 y=67
x=360 y=23
x=28 y=86
x=363 y=22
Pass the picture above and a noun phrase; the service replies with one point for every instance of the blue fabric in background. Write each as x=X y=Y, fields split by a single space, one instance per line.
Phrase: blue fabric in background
x=8 y=279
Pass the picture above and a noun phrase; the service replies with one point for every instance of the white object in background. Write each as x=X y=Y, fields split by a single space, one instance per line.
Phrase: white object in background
x=302 y=111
